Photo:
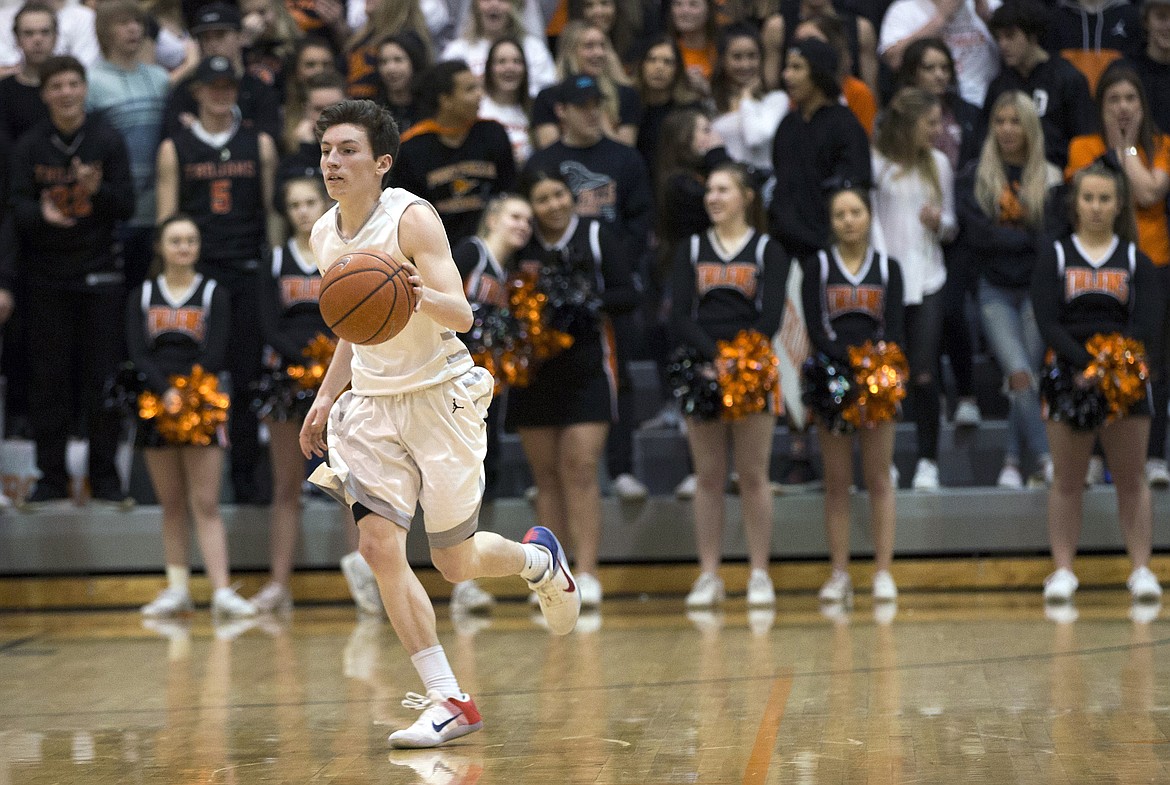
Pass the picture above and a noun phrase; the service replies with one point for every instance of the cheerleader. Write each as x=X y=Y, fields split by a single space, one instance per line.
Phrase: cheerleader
x=563 y=415
x=852 y=294
x=728 y=279
x=175 y=321
x=290 y=320
x=1096 y=281
x=505 y=228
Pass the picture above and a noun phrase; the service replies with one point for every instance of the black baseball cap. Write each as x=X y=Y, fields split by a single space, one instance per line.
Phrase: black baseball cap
x=578 y=90
x=211 y=69
x=215 y=16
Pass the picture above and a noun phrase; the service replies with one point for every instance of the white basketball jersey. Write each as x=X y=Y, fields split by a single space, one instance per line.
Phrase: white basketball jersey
x=424 y=353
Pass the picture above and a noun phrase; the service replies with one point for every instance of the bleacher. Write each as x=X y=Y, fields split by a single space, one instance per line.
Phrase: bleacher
x=968 y=517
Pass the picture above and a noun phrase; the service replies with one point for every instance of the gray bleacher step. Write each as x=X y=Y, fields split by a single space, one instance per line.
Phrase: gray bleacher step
x=952 y=522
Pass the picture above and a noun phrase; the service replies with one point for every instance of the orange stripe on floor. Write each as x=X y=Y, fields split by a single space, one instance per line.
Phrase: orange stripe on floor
x=761 y=758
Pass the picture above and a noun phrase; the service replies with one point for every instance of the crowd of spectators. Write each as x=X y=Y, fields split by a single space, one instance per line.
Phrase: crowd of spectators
x=117 y=114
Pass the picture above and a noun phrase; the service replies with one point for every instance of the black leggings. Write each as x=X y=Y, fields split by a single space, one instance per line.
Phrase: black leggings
x=923 y=341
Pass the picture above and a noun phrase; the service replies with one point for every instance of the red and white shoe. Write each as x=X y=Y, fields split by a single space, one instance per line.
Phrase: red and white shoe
x=442 y=720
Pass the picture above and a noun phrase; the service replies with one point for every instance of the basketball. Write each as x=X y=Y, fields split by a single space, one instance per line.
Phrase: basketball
x=366 y=298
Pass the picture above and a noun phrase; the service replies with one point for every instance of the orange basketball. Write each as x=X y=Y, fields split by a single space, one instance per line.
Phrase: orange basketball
x=365 y=297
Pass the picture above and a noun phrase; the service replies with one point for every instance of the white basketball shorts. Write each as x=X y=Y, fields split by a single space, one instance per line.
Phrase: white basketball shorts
x=425 y=448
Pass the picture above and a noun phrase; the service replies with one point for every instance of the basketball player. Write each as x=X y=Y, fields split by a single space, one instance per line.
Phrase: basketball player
x=412 y=431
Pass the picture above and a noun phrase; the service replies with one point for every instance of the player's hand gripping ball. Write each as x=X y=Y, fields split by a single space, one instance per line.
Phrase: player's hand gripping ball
x=366 y=297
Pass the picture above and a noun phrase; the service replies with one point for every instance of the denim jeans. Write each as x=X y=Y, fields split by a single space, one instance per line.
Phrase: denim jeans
x=1010 y=328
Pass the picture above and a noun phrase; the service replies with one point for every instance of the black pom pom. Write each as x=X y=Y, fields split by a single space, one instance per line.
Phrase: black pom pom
x=827 y=389
x=700 y=396
x=1081 y=408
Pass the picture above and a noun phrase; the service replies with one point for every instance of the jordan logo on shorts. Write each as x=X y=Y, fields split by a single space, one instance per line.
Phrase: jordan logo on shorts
x=455 y=406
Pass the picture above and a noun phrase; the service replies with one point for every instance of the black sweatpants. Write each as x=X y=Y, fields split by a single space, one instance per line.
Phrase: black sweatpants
x=75 y=340
x=242 y=283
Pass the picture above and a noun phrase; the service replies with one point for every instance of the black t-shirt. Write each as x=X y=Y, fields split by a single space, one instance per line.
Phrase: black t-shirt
x=610 y=184
x=21 y=108
x=458 y=181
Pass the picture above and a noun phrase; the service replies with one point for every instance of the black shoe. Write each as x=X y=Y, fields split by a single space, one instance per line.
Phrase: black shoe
x=45 y=495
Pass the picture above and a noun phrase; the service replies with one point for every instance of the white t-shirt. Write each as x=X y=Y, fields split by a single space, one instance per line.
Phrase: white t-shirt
x=976 y=55
x=76 y=35
x=542 y=71
x=515 y=121
x=424 y=353
x=898 y=197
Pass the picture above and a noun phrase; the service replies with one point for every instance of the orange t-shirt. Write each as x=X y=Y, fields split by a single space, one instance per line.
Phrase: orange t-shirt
x=703 y=58
x=859 y=98
x=1153 y=232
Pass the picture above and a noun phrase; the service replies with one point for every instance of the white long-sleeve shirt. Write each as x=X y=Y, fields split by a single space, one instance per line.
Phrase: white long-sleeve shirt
x=898 y=198
x=748 y=132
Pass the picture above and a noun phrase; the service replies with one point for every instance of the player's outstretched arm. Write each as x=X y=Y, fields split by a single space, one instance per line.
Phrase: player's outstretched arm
x=436 y=280
x=340 y=374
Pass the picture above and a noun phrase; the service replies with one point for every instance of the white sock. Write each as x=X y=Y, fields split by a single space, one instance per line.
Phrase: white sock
x=436 y=673
x=179 y=578
x=536 y=562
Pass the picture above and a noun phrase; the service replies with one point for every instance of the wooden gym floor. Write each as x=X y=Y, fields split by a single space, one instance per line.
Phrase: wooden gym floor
x=952 y=687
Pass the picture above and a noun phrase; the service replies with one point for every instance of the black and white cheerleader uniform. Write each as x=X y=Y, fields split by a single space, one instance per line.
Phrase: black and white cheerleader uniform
x=1075 y=298
x=717 y=291
x=843 y=310
x=484 y=278
x=289 y=313
x=167 y=334
x=580 y=384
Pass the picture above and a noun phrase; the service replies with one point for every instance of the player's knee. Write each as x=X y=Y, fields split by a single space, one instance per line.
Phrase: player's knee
x=381 y=553
x=452 y=564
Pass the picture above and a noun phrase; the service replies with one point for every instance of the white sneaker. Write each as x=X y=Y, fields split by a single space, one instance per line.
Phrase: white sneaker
x=1145 y=612
x=760 y=592
x=1042 y=477
x=559 y=595
x=629 y=488
x=707 y=591
x=838 y=589
x=895 y=476
x=668 y=417
x=362 y=585
x=686 y=488
x=468 y=597
x=590 y=589
x=1096 y=472
x=1143 y=585
x=967 y=414
x=169 y=602
x=1157 y=473
x=925 y=476
x=442 y=720
x=530 y=493
x=1060 y=586
x=1061 y=612
x=884 y=588
x=227 y=602
x=1010 y=477
x=273 y=598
